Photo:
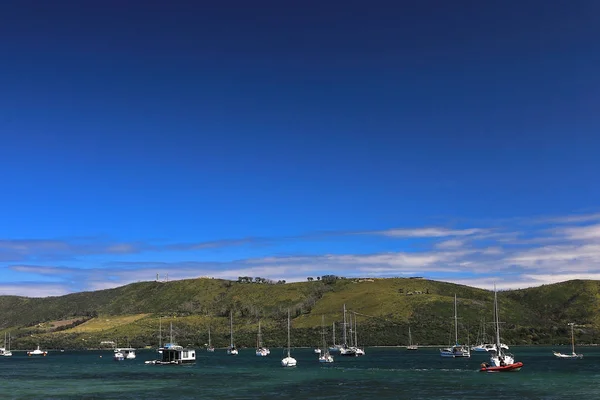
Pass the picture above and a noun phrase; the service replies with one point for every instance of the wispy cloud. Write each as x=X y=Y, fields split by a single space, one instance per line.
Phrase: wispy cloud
x=47 y=249
x=569 y=219
x=434 y=232
x=34 y=289
x=514 y=256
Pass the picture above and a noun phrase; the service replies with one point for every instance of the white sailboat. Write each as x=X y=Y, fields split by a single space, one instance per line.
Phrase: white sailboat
x=500 y=361
x=411 y=346
x=357 y=350
x=483 y=346
x=231 y=350
x=7 y=352
x=346 y=350
x=288 y=361
x=261 y=351
x=334 y=347
x=457 y=350
x=210 y=348
x=159 y=351
x=324 y=357
x=573 y=355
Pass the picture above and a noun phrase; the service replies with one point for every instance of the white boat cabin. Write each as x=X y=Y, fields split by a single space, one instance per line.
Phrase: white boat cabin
x=175 y=354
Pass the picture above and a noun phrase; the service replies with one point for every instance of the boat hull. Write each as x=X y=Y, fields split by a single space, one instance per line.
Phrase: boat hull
x=288 y=362
x=568 y=356
x=326 y=359
x=505 y=368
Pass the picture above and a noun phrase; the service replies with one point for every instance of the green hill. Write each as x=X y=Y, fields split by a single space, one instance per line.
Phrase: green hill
x=384 y=309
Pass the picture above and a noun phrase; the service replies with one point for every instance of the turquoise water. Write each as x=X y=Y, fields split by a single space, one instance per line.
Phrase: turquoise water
x=383 y=373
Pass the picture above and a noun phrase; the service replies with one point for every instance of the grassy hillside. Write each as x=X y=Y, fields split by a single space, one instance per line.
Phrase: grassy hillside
x=385 y=308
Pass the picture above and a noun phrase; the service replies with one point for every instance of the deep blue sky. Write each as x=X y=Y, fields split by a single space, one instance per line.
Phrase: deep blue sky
x=157 y=127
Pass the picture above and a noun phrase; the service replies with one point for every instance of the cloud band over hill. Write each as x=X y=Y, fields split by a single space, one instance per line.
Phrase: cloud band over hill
x=513 y=253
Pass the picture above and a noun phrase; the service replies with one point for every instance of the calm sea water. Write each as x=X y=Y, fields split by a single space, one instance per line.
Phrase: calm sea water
x=384 y=373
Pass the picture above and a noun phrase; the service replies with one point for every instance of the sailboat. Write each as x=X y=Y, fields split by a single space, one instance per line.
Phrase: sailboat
x=573 y=354
x=289 y=361
x=159 y=351
x=484 y=347
x=261 y=351
x=457 y=350
x=500 y=361
x=346 y=350
x=357 y=350
x=231 y=350
x=7 y=352
x=210 y=348
x=411 y=346
x=334 y=347
x=324 y=357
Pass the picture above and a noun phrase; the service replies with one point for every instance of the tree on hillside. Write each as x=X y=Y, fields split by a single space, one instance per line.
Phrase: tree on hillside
x=310 y=279
x=329 y=279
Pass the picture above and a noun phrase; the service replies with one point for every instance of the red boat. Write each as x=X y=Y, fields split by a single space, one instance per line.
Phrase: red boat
x=485 y=367
x=500 y=361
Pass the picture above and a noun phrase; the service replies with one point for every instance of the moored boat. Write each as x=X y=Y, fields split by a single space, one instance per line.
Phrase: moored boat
x=573 y=355
x=118 y=356
x=210 y=348
x=500 y=361
x=127 y=352
x=324 y=356
x=261 y=351
x=5 y=351
x=37 y=352
x=288 y=361
x=231 y=350
x=411 y=346
x=174 y=354
x=458 y=350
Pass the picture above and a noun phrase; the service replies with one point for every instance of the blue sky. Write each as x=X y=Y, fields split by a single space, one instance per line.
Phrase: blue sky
x=292 y=139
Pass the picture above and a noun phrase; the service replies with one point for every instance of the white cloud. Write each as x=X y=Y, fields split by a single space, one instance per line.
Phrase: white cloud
x=513 y=257
x=450 y=244
x=569 y=219
x=428 y=232
x=587 y=232
x=34 y=289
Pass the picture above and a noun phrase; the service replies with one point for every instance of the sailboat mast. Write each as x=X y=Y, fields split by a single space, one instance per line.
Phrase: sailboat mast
x=409 y=337
x=355 y=331
x=323 y=332
x=345 y=339
x=171 y=333
x=209 y=343
x=333 y=327
x=483 y=337
x=351 y=331
x=231 y=327
x=259 y=337
x=289 y=341
x=572 y=338
x=159 y=332
x=498 y=347
x=455 y=322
